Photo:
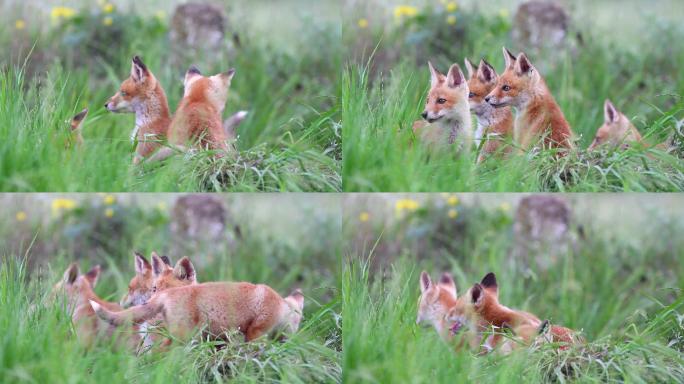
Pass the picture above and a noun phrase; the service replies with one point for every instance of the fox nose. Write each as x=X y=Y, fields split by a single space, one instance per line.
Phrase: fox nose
x=424 y=114
x=105 y=105
x=488 y=98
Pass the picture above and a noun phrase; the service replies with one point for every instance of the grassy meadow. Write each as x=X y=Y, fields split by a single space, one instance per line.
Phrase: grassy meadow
x=66 y=56
x=385 y=81
x=620 y=284
x=285 y=241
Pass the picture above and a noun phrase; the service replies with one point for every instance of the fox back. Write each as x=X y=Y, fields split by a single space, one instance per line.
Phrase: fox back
x=198 y=118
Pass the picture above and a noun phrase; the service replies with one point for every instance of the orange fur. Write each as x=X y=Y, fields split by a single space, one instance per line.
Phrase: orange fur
x=143 y=95
x=494 y=125
x=616 y=130
x=78 y=290
x=522 y=87
x=253 y=309
x=76 y=129
x=446 y=110
x=198 y=118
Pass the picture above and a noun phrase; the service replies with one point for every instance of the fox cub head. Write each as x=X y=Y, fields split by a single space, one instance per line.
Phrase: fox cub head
x=134 y=91
x=73 y=285
x=481 y=296
x=616 y=129
x=296 y=303
x=481 y=81
x=448 y=95
x=78 y=119
x=158 y=276
x=517 y=84
x=212 y=89
x=435 y=300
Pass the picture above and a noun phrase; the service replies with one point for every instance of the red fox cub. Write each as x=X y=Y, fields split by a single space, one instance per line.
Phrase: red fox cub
x=198 y=118
x=76 y=129
x=78 y=290
x=483 y=304
x=538 y=115
x=494 y=125
x=143 y=95
x=435 y=302
x=616 y=130
x=253 y=309
x=447 y=112
x=152 y=278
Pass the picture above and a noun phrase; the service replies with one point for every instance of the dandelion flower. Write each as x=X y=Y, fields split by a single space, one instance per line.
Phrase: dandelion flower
x=505 y=207
x=406 y=205
x=503 y=13
x=161 y=15
x=58 y=13
x=20 y=24
x=109 y=212
x=452 y=200
x=405 y=10
x=21 y=216
x=59 y=205
x=362 y=23
x=451 y=20
x=108 y=8
x=107 y=21
x=161 y=206
x=452 y=213
x=109 y=199
x=451 y=6
x=364 y=216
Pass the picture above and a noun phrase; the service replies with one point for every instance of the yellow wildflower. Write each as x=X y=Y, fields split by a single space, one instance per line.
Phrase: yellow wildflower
x=60 y=204
x=161 y=206
x=108 y=8
x=452 y=200
x=20 y=24
x=452 y=213
x=451 y=20
x=58 y=13
x=405 y=10
x=503 y=13
x=109 y=212
x=451 y=6
x=109 y=199
x=364 y=216
x=107 y=21
x=505 y=207
x=362 y=23
x=405 y=205
x=21 y=216
x=161 y=15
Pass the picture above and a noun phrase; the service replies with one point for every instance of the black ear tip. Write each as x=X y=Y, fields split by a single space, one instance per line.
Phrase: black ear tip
x=446 y=278
x=489 y=280
x=166 y=260
x=194 y=70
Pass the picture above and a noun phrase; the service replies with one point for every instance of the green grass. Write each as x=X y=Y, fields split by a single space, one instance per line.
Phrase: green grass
x=37 y=341
x=384 y=88
x=623 y=292
x=289 y=141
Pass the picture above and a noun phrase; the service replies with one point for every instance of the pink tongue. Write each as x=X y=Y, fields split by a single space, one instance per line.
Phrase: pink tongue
x=455 y=328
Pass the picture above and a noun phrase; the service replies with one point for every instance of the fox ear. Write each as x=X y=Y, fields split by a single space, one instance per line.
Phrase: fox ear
x=139 y=70
x=190 y=73
x=425 y=281
x=166 y=260
x=77 y=120
x=610 y=113
x=489 y=281
x=477 y=295
x=71 y=273
x=141 y=264
x=228 y=75
x=298 y=297
x=158 y=265
x=486 y=72
x=436 y=78
x=470 y=67
x=92 y=275
x=509 y=58
x=455 y=78
x=184 y=270
x=447 y=282
x=523 y=66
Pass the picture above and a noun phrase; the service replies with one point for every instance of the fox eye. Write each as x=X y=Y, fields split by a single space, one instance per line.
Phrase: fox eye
x=123 y=93
x=471 y=95
x=441 y=101
x=506 y=88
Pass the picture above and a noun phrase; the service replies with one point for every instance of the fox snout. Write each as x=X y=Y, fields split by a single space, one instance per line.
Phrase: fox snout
x=424 y=115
